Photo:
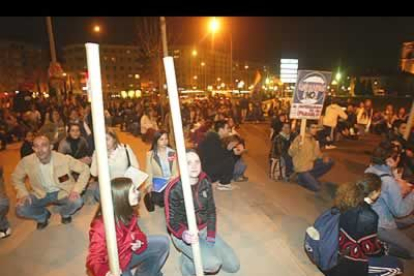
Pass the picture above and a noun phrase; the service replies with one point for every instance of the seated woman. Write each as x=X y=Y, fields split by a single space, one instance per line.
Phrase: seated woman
x=75 y=145
x=135 y=249
x=215 y=252
x=148 y=125
x=238 y=150
x=361 y=253
x=120 y=158
x=161 y=167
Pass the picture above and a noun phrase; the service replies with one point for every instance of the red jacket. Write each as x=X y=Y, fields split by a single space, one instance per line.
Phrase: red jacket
x=97 y=260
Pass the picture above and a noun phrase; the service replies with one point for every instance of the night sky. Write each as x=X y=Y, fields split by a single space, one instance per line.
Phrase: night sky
x=357 y=43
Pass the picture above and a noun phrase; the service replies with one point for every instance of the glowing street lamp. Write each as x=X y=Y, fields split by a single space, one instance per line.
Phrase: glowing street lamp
x=214 y=25
x=97 y=29
x=203 y=64
x=338 y=76
x=194 y=53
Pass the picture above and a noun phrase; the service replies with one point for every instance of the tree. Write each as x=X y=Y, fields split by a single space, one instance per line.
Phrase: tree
x=150 y=46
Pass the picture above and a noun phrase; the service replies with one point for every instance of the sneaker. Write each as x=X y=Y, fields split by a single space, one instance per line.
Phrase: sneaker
x=241 y=179
x=330 y=147
x=43 y=225
x=66 y=220
x=224 y=187
x=4 y=233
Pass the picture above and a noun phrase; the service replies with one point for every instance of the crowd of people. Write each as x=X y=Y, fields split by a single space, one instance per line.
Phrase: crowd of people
x=59 y=159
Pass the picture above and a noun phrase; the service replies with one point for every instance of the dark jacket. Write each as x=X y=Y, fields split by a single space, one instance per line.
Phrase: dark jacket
x=212 y=152
x=280 y=145
x=204 y=207
x=26 y=149
x=357 y=240
x=82 y=148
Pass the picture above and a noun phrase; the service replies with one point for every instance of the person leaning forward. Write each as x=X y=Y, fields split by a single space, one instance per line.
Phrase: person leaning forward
x=51 y=181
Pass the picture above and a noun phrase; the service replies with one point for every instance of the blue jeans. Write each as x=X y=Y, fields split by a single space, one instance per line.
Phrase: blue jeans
x=4 y=208
x=150 y=262
x=400 y=244
x=239 y=168
x=220 y=255
x=288 y=163
x=309 y=179
x=38 y=212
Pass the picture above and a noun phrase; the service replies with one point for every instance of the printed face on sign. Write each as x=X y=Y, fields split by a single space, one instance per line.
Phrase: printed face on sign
x=311 y=90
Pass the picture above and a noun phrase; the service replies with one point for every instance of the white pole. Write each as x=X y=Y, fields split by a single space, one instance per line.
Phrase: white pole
x=94 y=69
x=409 y=122
x=182 y=159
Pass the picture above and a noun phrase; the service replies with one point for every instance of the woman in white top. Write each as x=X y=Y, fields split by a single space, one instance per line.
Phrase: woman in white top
x=117 y=158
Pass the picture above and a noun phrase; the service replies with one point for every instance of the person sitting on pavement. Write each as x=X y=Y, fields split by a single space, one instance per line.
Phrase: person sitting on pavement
x=308 y=161
x=216 y=254
x=217 y=160
x=330 y=120
x=75 y=145
x=136 y=250
x=239 y=149
x=162 y=164
x=395 y=205
x=361 y=252
x=27 y=145
x=148 y=125
x=120 y=158
x=407 y=149
x=51 y=182
x=5 y=229
x=281 y=165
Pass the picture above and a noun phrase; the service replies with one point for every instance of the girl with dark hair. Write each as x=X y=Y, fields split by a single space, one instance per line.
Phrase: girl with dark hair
x=361 y=253
x=161 y=167
x=135 y=249
x=75 y=145
x=216 y=253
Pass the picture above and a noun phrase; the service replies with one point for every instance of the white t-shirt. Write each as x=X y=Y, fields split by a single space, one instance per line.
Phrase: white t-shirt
x=46 y=172
x=117 y=161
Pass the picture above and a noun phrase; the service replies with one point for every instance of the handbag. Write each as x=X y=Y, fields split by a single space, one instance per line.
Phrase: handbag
x=149 y=204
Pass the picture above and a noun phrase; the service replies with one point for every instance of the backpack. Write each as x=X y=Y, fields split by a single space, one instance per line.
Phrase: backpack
x=322 y=240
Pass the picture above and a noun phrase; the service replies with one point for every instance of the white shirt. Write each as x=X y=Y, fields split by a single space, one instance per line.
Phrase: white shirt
x=147 y=123
x=46 y=172
x=117 y=161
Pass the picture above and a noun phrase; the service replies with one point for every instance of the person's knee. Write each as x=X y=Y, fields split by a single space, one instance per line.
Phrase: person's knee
x=21 y=210
x=211 y=264
x=233 y=266
x=77 y=203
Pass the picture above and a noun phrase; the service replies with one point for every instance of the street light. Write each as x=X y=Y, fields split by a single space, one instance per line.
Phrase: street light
x=214 y=25
x=97 y=29
x=194 y=53
x=203 y=64
x=338 y=76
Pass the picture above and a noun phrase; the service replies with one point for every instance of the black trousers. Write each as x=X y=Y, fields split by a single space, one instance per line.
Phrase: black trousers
x=222 y=171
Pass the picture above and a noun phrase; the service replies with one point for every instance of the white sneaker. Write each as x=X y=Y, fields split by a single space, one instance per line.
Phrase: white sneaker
x=330 y=147
x=5 y=233
x=225 y=187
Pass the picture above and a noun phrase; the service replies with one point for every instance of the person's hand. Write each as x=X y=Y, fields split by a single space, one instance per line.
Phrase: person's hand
x=136 y=245
x=189 y=238
x=237 y=151
x=22 y=201
x=109 y=273
x=210 y=241
x=73 y=196
x=87 y=160
x=409 y=153
x=326 y=159
x=231 y=145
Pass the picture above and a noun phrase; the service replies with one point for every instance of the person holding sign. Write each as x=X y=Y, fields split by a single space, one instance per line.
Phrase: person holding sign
x=135 y=249
x=215 y=252
x=161 y=167
x=308 y=161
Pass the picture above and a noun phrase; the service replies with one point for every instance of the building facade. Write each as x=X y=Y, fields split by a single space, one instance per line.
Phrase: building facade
x=407 y=57
x=22 y=65
x=121 y=67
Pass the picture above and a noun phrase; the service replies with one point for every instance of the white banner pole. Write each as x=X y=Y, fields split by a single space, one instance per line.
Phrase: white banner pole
x=94 y=69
